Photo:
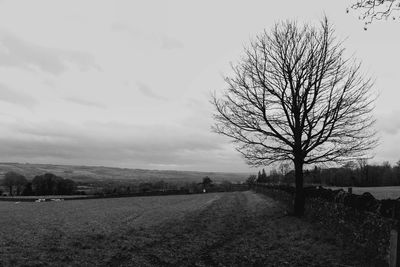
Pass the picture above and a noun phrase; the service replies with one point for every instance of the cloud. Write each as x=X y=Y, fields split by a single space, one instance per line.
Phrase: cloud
x=387 y=150
x=15 y=97
x=115 y=144
x=120 y=27
x=84 y=102
x=147 y=91
x=389 y=123
x=161 y=40
x=170 y=43
x=15 y=52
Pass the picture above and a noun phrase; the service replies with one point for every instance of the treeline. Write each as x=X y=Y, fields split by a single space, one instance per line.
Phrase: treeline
x=46 y=184
x=49 y=184
x=353 y=173
x=205 y=185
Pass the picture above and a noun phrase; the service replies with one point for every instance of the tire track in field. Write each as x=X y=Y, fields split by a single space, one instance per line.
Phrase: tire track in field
x=192 y=241
x=180 y=243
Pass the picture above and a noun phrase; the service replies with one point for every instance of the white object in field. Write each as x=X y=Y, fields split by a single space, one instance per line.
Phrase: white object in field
x=204 y=190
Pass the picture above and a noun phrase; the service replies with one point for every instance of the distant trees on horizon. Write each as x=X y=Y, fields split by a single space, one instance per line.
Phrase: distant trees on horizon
x=50 y=184
x=46 y=184
x=353 y=173
x=14 y=182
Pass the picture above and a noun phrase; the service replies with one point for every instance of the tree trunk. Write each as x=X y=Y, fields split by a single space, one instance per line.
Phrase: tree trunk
x=299 y=199
x=11 y=193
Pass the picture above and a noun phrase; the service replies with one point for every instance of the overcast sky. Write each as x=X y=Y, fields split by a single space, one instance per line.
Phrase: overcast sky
x=127 y=83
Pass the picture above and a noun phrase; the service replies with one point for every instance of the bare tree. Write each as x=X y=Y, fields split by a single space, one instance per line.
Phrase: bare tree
x=363 y=169
x=294 y=97
x=377 y=9
x=284 y=168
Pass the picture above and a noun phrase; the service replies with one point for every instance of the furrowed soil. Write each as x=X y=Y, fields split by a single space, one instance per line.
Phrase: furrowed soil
x=226 y=229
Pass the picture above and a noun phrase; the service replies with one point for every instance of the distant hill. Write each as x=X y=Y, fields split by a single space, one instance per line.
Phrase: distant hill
x=111 y=174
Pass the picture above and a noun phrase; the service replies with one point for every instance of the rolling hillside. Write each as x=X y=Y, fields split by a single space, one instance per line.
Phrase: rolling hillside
x=104 y=174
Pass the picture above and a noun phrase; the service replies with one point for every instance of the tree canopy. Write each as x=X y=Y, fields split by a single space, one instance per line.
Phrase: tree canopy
x=294 y=96
x=50 y=184
x=377 y=9
x=14 y=180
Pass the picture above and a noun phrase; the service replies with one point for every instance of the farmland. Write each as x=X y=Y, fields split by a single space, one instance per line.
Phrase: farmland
x=93 y=174
x=240 y=228
x=380 y=192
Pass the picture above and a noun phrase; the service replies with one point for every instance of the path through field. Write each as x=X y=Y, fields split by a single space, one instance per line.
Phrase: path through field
x=228 y=229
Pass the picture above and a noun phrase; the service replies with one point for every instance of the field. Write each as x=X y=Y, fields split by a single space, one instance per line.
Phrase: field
x=216 y=229
x=90 y=174
x=382 y=192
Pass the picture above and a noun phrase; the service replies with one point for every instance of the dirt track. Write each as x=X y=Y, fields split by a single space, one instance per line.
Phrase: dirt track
x=231 y=229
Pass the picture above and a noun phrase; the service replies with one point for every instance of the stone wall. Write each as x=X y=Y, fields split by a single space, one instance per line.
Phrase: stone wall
x=361 y=221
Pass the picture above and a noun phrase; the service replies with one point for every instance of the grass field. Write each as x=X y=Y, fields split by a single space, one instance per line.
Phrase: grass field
x=216 y=229
x=382 y=192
